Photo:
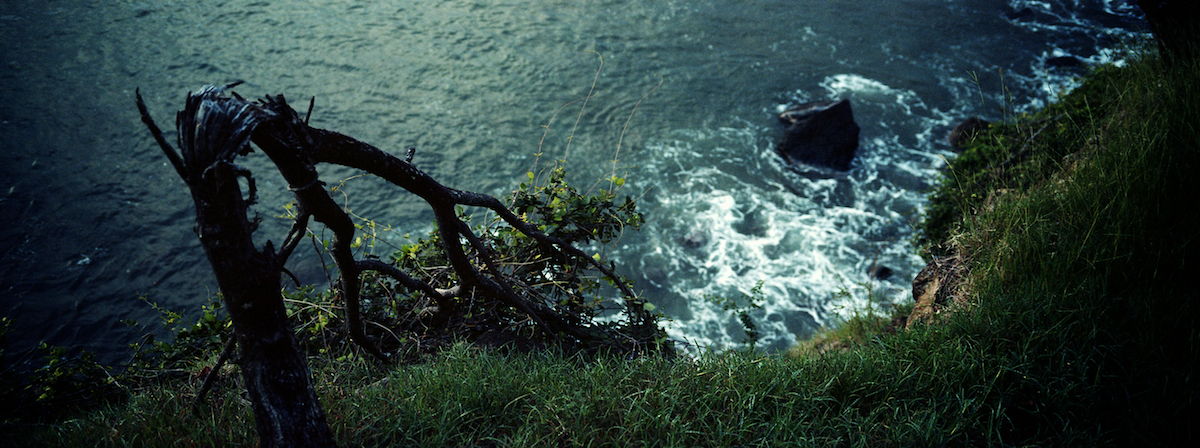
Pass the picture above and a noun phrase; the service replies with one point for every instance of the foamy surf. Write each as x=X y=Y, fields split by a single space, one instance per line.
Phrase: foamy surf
x=729 y=217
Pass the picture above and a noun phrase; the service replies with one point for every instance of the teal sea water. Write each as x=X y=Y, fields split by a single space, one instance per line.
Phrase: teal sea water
x=92 y=217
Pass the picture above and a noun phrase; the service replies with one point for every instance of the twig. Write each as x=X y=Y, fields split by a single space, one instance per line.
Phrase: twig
x=212 y=374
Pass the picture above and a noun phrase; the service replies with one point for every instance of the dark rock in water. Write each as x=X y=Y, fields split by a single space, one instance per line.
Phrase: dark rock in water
x=879 y=272
x=843 y=194
x=965 y=132
x=1020 y=15
x=695 y=239
x=821 y=133
x=1064 y=62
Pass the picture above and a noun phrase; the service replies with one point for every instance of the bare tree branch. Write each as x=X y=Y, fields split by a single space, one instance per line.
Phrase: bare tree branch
x=172 y=156
x=213 y=130
x=406 y=280
x=287 y=131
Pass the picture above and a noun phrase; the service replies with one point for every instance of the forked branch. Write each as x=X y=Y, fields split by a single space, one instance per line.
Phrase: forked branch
x=296 y=148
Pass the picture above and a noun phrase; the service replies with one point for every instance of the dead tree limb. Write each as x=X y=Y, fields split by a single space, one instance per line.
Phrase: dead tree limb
x=287 y=132
x=213 y=130
x=314 y=200
x=214 y=372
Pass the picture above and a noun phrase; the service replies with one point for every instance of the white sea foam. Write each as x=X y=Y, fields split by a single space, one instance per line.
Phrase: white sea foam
x=731 y=216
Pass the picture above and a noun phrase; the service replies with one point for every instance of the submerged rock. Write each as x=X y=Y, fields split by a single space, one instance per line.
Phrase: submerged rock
x=695 y=239
x=1064 y=62
x=880 y=272
x=1020 y=15
x=820 y=133
x=753 y=223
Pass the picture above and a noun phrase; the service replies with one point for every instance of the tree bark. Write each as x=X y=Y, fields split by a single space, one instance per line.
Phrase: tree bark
x=213 y=131
x=295 y=147
x=1176 y=26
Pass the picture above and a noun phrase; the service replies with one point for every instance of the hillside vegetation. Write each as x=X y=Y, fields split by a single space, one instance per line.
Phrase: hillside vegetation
x=1078 y=229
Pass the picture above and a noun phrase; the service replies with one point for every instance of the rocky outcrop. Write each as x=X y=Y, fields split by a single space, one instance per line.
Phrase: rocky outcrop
x=1064 y=62
x=821 y=133
x=937 y=290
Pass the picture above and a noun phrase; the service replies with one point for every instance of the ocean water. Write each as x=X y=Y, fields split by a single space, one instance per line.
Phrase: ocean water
x=679 y=97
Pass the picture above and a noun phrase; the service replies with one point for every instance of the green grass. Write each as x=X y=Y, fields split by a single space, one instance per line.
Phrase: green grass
x=470 y=397
x=1083 y=334
x=1087 y=268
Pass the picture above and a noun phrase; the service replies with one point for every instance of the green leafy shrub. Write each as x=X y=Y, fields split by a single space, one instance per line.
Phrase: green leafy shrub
x=64 y=382
x=572 y=286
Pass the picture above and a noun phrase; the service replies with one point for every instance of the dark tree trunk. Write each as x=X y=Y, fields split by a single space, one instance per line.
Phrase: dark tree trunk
x=286 y=410
x=214 y=129
x=212 y=133
x=1176 y=26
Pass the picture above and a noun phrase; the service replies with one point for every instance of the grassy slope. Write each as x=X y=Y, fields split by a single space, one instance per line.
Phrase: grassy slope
x=1081 y=264
x=1084 y=333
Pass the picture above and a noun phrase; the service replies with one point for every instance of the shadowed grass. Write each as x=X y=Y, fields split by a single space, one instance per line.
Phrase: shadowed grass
x=471 y=397
x=1083 y=334
x=1088 y=268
